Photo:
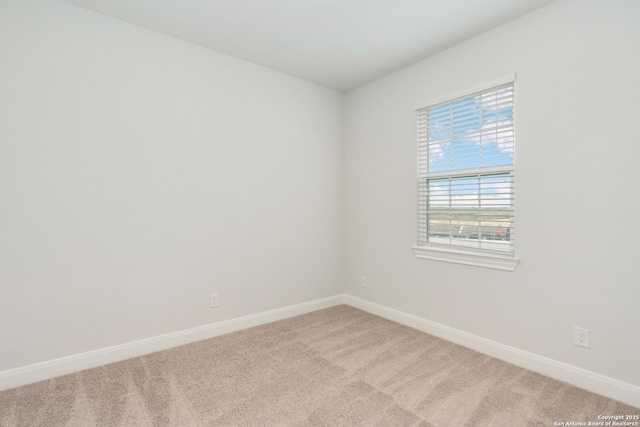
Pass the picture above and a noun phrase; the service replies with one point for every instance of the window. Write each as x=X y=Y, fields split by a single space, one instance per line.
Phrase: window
x=466 y=177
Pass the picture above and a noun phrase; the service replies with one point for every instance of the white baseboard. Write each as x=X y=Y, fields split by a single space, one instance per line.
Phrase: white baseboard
x=91 y=359
x=600 y=384
x=615 y=389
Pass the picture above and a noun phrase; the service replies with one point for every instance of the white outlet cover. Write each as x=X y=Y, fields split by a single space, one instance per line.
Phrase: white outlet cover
x=213 y=300
x=581 y=337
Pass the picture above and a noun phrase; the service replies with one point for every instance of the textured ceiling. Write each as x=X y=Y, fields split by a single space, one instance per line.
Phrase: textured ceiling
x=339 y=44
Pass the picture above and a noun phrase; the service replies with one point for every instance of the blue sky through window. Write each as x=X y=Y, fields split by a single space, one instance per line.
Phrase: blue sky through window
x=472 y=132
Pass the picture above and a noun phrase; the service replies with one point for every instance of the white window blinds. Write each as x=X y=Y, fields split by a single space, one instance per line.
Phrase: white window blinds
x=466 y=171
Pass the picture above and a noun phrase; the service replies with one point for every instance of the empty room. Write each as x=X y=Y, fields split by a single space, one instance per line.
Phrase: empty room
x=319 y=213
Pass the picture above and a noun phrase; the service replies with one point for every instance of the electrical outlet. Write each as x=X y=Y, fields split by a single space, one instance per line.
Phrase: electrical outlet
x=213 y=300
x=581 y=337
x=363 y=281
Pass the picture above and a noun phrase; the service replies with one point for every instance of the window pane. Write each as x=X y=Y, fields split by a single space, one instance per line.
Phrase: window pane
x=472 y=211
x=465 y=171
x=471 y=132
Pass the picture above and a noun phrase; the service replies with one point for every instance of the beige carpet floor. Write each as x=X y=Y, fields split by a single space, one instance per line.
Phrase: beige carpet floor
x=334 y=367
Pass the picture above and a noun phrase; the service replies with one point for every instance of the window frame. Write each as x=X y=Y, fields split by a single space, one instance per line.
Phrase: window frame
x=459 y=254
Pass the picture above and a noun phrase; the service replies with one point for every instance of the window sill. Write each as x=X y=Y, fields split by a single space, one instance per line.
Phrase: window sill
x=462 y=256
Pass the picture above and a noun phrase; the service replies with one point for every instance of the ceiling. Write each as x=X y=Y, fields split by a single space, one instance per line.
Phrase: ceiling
x=339 y=44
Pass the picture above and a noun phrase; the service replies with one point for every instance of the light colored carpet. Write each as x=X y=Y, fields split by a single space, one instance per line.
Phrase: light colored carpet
x=334 y=367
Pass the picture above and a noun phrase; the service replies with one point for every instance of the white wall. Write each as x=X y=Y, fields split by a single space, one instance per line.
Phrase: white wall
x=139 y=173
x=577 y=202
